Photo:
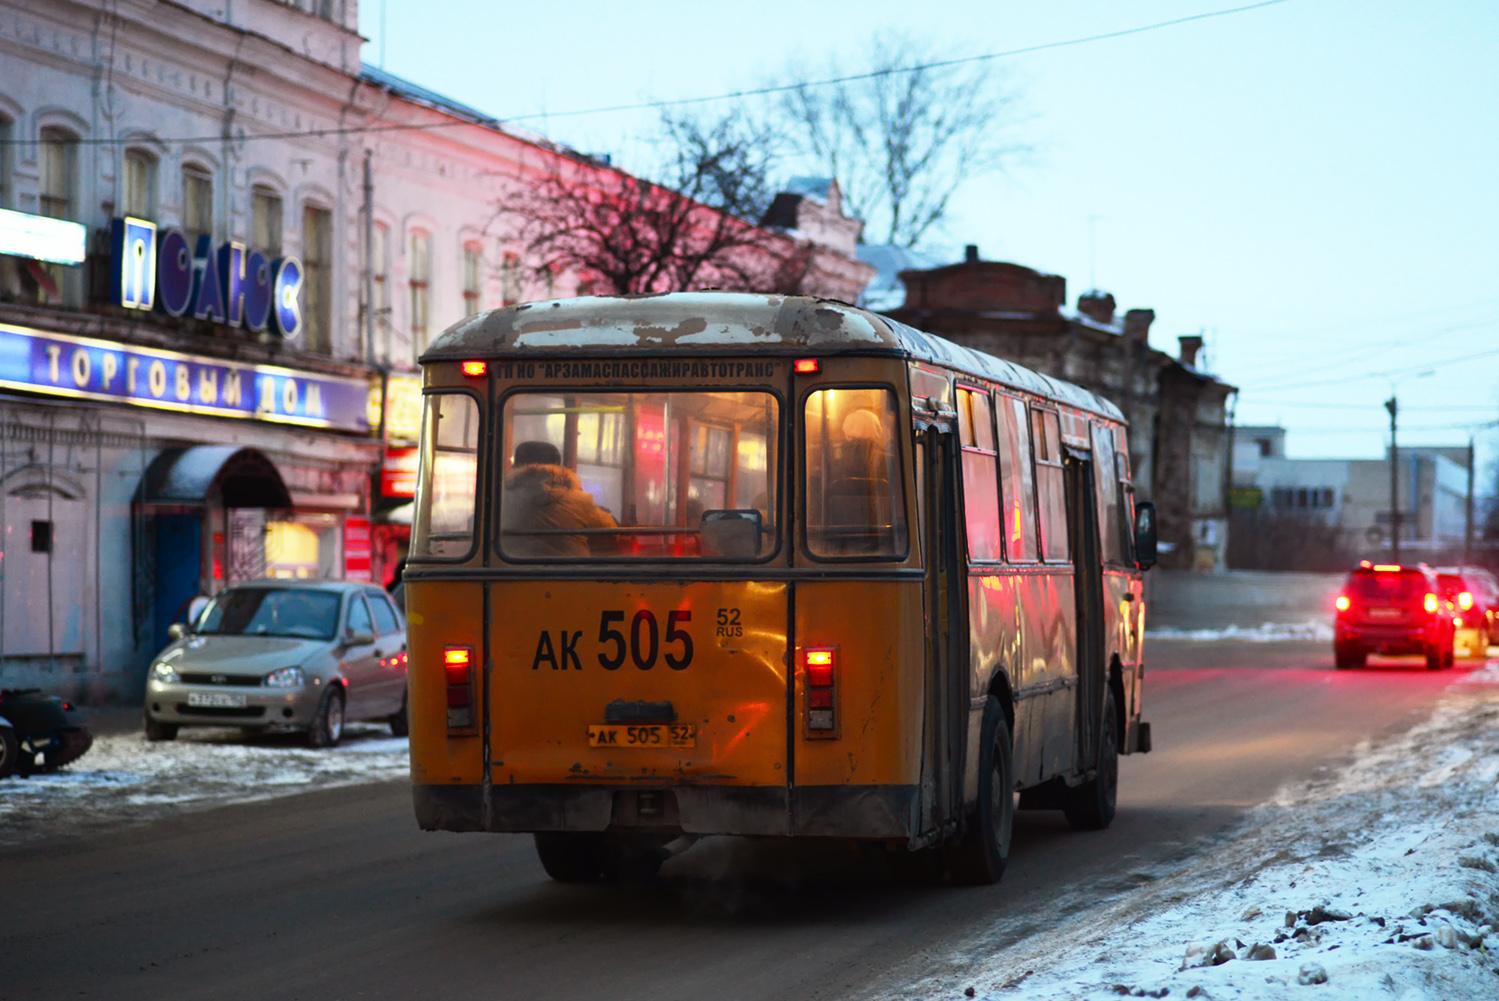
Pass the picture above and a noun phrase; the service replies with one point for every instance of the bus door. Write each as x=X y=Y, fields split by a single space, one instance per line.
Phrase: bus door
x=945 y=679
x=1082 y=519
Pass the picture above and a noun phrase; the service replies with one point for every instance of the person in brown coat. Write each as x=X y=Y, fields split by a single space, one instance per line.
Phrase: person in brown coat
x=542 y=495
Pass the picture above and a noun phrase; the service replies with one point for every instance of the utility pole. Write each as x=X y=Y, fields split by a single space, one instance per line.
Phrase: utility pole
x=1468 y=510
x=1393 y=408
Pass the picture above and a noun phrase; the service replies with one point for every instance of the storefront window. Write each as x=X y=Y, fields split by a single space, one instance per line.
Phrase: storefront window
x=445 y=494
x=306 y=547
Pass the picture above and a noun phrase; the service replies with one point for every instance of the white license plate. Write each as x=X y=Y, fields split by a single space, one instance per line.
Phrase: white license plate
x=1384 y=613
x=216 y=700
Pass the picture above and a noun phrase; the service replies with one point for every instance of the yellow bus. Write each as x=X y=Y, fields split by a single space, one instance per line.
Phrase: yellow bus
x=724 y=564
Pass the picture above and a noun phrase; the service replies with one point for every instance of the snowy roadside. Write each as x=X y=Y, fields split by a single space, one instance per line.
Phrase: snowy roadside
x=124 y=779
x=1269 y=632
x=1379 y=881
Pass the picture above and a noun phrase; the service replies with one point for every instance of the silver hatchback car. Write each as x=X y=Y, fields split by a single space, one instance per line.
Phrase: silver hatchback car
x=284 y=655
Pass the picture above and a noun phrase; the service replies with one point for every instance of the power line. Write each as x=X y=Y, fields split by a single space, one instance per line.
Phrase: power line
x=679 y=102
x=1379 y=375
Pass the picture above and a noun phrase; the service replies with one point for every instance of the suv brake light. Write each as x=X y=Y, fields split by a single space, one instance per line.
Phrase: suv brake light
x=1342 y=603
x=1431 y=602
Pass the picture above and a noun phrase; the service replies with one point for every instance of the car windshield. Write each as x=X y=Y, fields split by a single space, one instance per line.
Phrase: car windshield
x=1385 y=586
x=264 y=611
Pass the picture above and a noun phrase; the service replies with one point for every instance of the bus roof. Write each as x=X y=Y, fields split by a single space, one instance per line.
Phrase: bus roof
x=727 y=323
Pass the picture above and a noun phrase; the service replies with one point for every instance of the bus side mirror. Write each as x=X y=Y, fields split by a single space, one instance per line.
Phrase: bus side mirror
x=1145 y=542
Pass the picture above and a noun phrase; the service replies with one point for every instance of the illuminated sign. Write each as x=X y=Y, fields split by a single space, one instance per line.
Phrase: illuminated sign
x=233 y=286
x=86 y=368
x=398 y=472
x=41 y=238
x=357 y=549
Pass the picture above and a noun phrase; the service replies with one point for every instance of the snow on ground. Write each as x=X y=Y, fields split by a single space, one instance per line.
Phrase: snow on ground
x=1267 y=632
x=1376 y=882
x=123 y=778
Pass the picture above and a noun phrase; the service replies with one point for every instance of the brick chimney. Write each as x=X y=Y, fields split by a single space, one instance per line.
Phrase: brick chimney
x=1096 y=305
x=971 y=254
x=1137 y=324
x=1190 y=345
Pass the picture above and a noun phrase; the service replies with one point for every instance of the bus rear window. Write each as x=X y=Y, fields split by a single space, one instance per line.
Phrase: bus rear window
x=675 y=475
x=855 y=504
x=445 y=505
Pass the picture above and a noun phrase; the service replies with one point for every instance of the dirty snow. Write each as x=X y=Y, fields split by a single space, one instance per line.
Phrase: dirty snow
x=124 y=779
x=1376 y=882
x=1268 y=632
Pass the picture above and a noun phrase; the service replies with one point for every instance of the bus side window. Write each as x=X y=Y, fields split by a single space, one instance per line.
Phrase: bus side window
x=855 y=504
x=1110 y=518
x=980 y=479
x=1015 y=472
x=1046 y=439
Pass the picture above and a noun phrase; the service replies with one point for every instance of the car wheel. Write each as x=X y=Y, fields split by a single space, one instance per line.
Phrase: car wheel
x=10 y=751
x=1346 y=659
x=981 y=856
x=1090 y=806
x=1450 y=657
x=1434 y=658
x=400 y=724
x=568 y=858
x=327 y=727
x=157 y=730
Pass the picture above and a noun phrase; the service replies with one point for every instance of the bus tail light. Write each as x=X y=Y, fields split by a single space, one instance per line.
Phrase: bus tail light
x=821 y=672
x=473 y=368
x=458 y=666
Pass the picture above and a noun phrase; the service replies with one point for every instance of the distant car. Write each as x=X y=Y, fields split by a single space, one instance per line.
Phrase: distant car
x=284 y=655
x=1474 y=593
x=1389 y=609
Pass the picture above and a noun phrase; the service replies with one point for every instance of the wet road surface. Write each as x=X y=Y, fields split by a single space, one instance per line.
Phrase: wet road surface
x=337 y=895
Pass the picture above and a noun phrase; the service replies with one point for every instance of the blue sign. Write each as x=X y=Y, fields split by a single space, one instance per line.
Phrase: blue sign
x=83 y=367
x=157 y=270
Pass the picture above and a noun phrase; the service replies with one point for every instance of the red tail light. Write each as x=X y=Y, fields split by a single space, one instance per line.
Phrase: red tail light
x=458 y=666
x=820 y=669
x=1342 y=602
x=1431 y=603
x=1465 y=600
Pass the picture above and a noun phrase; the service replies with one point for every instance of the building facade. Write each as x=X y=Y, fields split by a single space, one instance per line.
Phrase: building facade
x=1177 y=413
x=223 y=244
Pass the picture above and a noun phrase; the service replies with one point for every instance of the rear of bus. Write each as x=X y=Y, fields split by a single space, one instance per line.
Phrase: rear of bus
x=626 y=628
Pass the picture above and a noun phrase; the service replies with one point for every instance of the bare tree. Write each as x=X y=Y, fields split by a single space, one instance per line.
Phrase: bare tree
x=901 y=135
x=696 y=228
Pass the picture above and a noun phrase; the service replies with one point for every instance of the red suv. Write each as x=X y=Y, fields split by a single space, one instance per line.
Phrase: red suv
x=1392 y=609
x=1474 y=594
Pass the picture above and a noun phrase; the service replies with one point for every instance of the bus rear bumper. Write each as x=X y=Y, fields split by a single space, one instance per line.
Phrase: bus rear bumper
x=841 y=811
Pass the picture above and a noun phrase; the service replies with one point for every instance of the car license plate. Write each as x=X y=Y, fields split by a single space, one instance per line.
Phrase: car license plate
x=216 y=700
x=642 y=735
x=1384 y=613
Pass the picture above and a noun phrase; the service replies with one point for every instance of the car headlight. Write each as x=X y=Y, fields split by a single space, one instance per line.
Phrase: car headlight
x=164 y=673
x=287 y=677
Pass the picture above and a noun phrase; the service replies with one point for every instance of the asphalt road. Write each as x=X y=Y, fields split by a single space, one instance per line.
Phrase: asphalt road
x=337 y=895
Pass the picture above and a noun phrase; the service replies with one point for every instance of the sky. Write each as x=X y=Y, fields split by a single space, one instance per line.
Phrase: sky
x=1310 y=184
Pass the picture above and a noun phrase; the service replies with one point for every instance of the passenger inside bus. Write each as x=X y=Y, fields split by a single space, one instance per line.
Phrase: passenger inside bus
x=544 y=503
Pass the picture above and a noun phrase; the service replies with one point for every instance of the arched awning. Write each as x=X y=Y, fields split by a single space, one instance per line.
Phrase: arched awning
x=244 y=477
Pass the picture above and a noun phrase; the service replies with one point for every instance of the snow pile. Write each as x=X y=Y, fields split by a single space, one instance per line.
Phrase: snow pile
x=123 y=778
x=1379 y=882
x=1267 y=632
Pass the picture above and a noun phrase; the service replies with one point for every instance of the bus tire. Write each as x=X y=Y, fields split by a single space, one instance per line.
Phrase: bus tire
x=622 y=858
x=980 y=858
x=1090 y=806
x=568 y=858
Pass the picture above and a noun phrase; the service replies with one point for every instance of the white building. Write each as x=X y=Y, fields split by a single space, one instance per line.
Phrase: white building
x=163 y=433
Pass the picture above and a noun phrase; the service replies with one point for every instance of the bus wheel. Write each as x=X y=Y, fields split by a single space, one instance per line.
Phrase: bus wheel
x=981 y=856
x=568 y=858
x=1090 y=806
x=622 y=858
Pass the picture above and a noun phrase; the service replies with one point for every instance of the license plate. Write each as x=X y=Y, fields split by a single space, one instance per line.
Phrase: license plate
x=216 y=700
x=642 y=735
x=1384 y=613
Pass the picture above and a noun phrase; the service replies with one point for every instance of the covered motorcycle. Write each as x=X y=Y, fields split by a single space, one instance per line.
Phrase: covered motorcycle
x=38 y=733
